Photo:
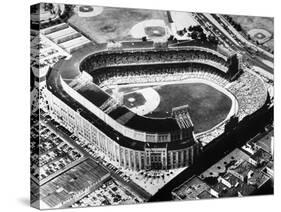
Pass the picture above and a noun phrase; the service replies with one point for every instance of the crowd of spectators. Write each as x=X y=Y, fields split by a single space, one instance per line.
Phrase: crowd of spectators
x=160 y=74
x=248 y=89
x=212 y=134
x=97 y=61
x=250 y=93
x=164 y=74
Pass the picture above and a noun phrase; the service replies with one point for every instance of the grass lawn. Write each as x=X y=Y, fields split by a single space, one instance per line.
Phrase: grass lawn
x=114 y=23
x=254 y=22
x=208 y=106
x=269 y=44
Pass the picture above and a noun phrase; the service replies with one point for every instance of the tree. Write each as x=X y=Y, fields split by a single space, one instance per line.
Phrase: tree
x=180 y=32
x=194 y=35
x=171 y=37
x=198 y=28
x=238 y=27
x=144 y=38
x=203 y=37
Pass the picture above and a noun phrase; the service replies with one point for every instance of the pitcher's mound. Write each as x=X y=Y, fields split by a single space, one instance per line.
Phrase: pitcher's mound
x=88 y=11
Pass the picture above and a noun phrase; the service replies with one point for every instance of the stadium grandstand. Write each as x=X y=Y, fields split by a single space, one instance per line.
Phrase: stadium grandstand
x=77 y=100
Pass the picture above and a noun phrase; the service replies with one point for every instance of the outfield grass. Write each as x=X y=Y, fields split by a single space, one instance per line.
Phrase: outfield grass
x=208 y=106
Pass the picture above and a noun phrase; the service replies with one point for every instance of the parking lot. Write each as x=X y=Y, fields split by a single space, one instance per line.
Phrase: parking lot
x=55 y=154
x=110 y=193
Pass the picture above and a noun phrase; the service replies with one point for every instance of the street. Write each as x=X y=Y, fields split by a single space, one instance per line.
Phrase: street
x=131 y=185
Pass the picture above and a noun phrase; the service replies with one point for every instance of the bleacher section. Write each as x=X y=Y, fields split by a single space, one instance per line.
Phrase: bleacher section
x=159 y=74
x=250 y=92
x=105 y=59
x=248 y=89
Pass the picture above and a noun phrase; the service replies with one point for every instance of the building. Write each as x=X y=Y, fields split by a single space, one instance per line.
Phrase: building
x=135 y=142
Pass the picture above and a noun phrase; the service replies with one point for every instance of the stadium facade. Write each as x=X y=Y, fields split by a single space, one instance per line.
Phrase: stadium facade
x=77 y=101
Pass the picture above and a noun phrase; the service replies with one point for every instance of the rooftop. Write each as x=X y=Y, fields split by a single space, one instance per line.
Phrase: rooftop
x=266 y=142
x=262 y=157
x=72 y=181
x=191 y=189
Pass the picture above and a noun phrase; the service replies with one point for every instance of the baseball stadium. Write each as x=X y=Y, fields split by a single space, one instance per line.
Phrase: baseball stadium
x=151 y=108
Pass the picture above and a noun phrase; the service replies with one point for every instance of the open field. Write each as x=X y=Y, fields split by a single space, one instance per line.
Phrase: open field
x=114 y=23
x=249 y=23
x=270 y=44
x=207 y=106
x=253 y=22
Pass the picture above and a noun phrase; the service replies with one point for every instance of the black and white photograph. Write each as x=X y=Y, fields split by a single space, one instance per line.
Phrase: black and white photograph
x=134 y=106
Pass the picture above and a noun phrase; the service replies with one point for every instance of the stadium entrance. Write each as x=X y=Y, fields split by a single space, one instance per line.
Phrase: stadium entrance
x=155 y=158
x=156 y=162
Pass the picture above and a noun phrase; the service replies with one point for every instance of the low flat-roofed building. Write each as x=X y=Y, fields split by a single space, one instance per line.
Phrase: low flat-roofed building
x=243 y=171
x=73 y=184
x=269 y=169
x=238 y=174
x=249 y=174
x=228 y=185
x=191 y=190
x=231 y=186
x=266 y=143
x=221 y=166
x=260 y=158
x=205 y=195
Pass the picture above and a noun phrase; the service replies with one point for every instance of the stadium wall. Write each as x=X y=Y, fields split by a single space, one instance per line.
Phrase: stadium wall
x=125 y=157
x=130 y=133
